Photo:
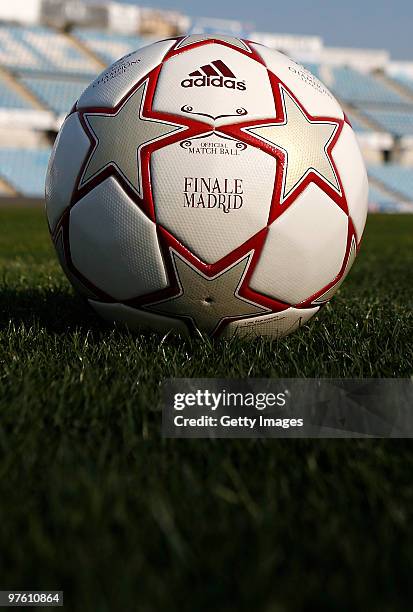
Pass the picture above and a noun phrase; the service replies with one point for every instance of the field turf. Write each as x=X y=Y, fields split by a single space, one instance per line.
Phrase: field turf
x=94 y=502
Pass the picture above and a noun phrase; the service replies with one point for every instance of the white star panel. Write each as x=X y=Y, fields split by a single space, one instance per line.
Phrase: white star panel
x=112 y=241
x=207 y=300
x=136 y=319
x=289 y=136
x=348 y=159
x=63 y=168
x=196 y=38
x=275 y=325
x=120 y=138
x=304 y=249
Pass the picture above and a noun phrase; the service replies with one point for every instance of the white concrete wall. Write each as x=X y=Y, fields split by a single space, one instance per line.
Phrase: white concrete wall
x=364 y=60
x=22 y=11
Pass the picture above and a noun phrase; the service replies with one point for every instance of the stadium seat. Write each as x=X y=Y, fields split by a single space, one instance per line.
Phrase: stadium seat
x=313 y=68
x=10 y=99
x=204 y=25
x=379 y=201
x=25 y=169
x=57 y=94
x=396 y=178
x=34 y=49
x=109 y=47
x=356 y=124
x=357 y=88
x=398 y=123
x=403 y=80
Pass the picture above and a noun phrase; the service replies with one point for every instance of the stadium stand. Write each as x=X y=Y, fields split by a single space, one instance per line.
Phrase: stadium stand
x=44 y=70
x=396 y=178
x=223 y=26
x=107 y=46
x=357 y=124
x=25 y=169
x=398 y=123
x=405 y=81
x=357 y=88
x=381 y=201
x=41 y=49
x=11 y=99
x=56 y=94
x=313 y=68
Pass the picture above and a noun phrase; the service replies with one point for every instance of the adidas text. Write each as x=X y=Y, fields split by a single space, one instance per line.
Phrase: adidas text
x=206 y=81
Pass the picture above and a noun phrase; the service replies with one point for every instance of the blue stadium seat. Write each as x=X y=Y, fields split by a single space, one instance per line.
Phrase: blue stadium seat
x=356 y=124
x=395 y=177
x=57 y=94
x=404 y=80
x=397 y=122
x=358 y=88
x=313 y=68
x=204 y=25
x=109 y=47
x=25 y=169
x=11 y=99
x=34 y=49
x=379 y=201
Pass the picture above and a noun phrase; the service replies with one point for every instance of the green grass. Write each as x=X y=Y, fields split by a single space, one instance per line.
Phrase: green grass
x=93 y=501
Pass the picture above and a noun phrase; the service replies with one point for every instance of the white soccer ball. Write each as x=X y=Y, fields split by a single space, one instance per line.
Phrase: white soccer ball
x=207 y=183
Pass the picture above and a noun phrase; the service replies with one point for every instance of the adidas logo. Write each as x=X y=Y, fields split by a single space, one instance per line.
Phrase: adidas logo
x=215 y=74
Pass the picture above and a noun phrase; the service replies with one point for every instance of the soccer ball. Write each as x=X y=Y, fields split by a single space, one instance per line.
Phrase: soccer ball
x=207 y=183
